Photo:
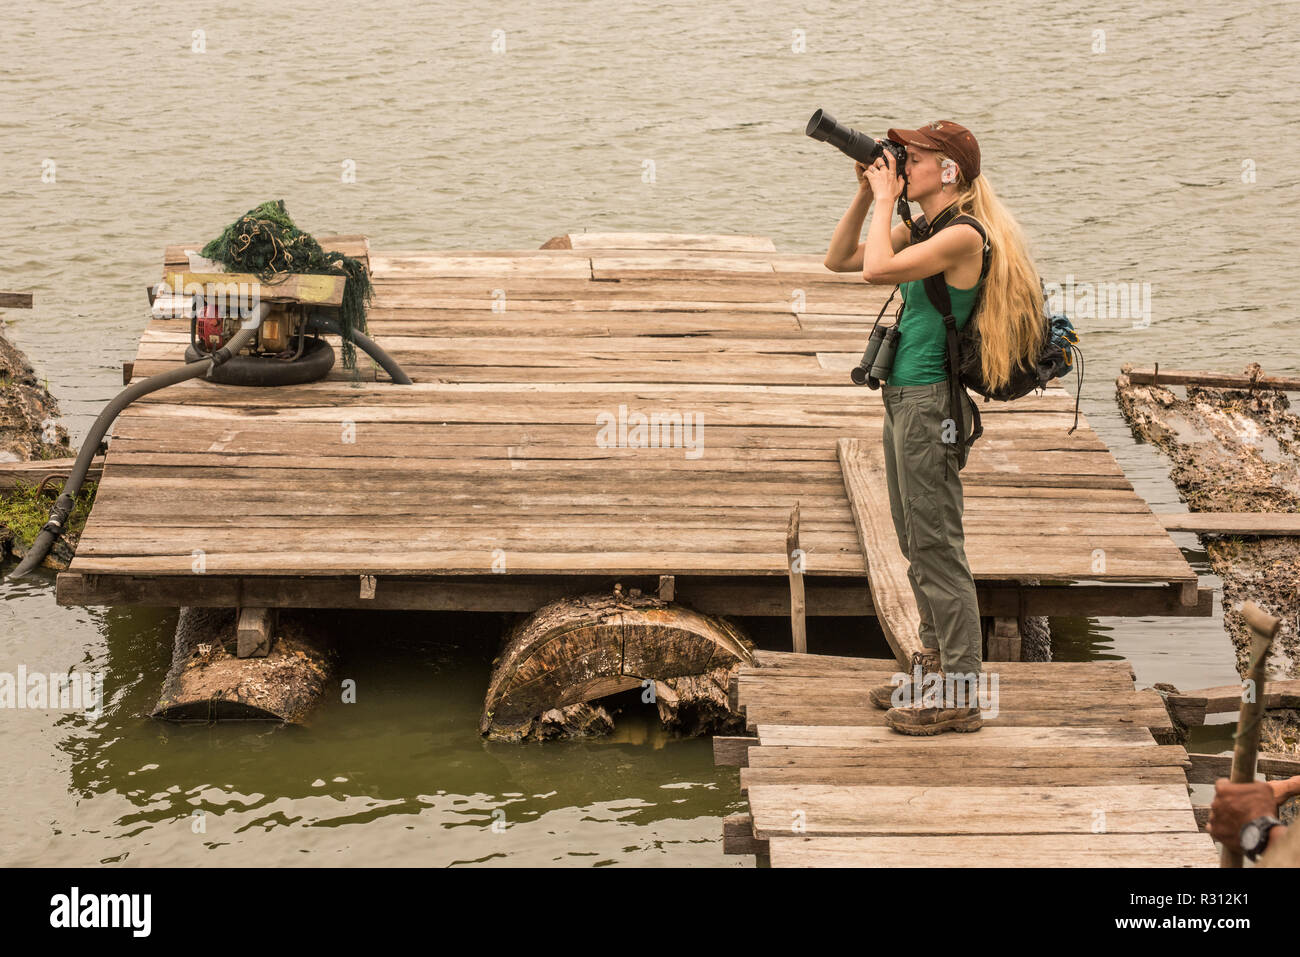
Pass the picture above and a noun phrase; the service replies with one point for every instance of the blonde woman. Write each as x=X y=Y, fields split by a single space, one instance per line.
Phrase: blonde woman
x=923 y=455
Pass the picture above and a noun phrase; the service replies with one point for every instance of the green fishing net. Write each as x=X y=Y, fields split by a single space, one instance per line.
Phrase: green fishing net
x=264 y=241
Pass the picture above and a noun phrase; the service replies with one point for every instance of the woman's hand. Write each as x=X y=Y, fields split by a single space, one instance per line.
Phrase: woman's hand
x=884 y=179
x=860 y=170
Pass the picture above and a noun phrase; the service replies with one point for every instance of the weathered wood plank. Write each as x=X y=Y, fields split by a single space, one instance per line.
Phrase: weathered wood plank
x=821 y=811
x=864 y=482
x=850 y=736
x=1179 y=849
x=1232 y=523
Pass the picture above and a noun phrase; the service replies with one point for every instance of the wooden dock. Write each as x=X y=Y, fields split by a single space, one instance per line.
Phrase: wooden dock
x=486 y=486
x=1070 y=773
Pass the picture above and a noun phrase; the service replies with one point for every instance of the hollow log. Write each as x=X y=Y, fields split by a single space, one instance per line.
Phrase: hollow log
x=572 y=652
x=209 y=682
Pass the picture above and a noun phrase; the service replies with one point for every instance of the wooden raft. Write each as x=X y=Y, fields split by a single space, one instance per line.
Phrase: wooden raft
x=1069 y=774
x=483 y=487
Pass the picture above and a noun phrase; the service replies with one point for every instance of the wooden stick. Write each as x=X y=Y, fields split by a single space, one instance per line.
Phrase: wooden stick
x=15 y=300
x=795 y=561
x=1246 y=741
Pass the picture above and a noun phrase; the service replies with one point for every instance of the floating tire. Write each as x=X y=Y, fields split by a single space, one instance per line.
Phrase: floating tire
x=315 y=363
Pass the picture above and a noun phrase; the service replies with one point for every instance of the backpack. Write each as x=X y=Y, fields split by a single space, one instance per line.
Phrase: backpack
x=1055 y=358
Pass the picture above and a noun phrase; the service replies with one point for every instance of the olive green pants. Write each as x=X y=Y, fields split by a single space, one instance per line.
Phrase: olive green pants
x=925 y=500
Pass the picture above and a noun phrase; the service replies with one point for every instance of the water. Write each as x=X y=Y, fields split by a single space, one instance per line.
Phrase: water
x=1123 y=165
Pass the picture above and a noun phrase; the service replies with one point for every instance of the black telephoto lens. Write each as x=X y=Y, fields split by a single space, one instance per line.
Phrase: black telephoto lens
x=826 y=129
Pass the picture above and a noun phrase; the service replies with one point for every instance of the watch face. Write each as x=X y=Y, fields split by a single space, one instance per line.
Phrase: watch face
x=1250 y=837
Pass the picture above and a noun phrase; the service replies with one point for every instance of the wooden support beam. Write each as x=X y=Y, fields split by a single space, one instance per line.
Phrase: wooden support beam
x=254 y=632
x=1191 y=707
x=825 y=596
x=1217 y=380
x=738 y=836
x=15 y=300
x=794 y=558
x=667 y=587
x=1005 y=640
x=1208 y=768
x=732 y=752
x=13 y=474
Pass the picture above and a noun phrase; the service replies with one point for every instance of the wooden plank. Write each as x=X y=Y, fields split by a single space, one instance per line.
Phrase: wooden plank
x=669 y=266
x=671 y=241
x=13 y=474
x=731 y=751
x=891 y=594
x=15 y=300
x=514 y=267
x=322 y=290
x=740 y=595
x=738 y=836
x=795 y=562
x=1098 y=716
x=1191 y=707
x=1208 y=768
x=1232 y=523
x=1216 y=380
x=822 y=811
x=1018 y=737
x=959 y=755
x=939 y=777
x=1178 y=849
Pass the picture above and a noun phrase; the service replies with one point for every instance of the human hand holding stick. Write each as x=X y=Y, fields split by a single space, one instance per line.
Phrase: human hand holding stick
x=1245 y=749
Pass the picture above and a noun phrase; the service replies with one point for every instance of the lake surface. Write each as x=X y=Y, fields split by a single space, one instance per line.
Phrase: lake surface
x=1137 y=143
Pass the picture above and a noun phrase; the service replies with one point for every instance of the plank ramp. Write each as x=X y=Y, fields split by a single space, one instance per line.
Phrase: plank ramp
x=1069 y=773
x=489 y=469
x=863 y=465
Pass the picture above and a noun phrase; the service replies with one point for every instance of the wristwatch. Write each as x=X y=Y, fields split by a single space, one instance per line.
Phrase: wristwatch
x=1254 y=835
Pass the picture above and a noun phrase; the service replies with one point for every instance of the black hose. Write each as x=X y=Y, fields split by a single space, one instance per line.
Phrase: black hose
x=63 y=505
x=322 y=323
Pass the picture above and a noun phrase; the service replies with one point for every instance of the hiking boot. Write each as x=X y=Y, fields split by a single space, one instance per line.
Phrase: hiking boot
x=882 y=696
x=951 y=713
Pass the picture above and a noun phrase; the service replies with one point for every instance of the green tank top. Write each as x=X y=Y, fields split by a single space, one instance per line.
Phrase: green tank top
x=922 y=339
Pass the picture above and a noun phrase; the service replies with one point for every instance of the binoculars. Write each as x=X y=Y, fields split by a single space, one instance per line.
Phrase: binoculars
x=878 y=359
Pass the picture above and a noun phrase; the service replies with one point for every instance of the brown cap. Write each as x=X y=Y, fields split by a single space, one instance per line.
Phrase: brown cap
x=951 y=139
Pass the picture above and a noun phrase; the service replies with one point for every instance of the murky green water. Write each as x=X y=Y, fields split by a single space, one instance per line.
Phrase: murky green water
x=1127 y=163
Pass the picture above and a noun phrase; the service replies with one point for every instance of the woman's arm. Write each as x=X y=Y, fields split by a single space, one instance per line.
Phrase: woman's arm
x=846 y=253
x=884 y=263
x=889 y=266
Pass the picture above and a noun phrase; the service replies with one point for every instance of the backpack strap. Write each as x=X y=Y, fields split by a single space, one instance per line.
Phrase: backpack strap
x=936 y=289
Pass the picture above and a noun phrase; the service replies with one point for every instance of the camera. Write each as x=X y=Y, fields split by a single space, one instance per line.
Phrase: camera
x=863 y=148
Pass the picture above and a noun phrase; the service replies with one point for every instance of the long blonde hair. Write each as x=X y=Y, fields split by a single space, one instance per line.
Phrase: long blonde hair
x=1010 y=313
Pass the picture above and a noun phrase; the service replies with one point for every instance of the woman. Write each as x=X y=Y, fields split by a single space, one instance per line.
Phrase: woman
x=921 y=449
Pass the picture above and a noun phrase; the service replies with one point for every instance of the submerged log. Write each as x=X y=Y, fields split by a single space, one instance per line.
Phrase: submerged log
x=574 y=651
x=209 y=682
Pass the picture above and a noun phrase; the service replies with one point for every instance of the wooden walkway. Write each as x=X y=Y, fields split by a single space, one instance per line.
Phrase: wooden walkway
x=485 y=486
x=1068 y=774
